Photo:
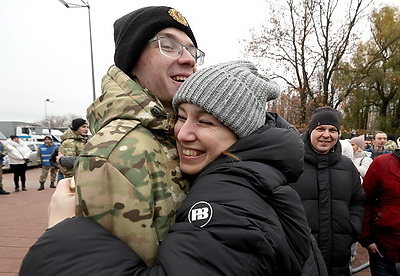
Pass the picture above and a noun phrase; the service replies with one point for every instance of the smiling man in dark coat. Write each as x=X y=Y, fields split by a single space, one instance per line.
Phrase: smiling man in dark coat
x=330 y=190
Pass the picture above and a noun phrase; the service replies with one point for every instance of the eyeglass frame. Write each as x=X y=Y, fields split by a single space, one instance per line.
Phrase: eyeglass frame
x=197 y=58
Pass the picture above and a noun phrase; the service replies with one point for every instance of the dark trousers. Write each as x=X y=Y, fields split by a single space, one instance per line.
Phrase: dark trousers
x=382 y=267
x=19 y=173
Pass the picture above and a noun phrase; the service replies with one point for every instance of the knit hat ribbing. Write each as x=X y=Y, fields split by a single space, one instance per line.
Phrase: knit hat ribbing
x=359 y=141
x=325 y=115
x=233 y=92
x=134 y=30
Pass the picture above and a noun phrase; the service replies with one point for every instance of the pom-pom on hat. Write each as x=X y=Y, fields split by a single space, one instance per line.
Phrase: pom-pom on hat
x=133 y=31
x=233 y=92
x=359 y=141
x=325 y=115
x=76 y=123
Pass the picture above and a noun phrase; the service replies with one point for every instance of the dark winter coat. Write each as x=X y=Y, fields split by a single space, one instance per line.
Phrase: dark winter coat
x=239 y=218
x=333 y=199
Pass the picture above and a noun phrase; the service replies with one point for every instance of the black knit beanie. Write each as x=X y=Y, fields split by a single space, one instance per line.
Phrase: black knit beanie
x=134 y=30
x=325 y=115
x=76 y=123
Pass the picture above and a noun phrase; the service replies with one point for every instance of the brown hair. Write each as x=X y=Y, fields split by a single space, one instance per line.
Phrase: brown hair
x=231 y=155
x=377 y=132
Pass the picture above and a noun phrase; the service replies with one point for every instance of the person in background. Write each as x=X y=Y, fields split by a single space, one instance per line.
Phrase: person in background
x=53 y=161
x=18 y=158
x=347 y=149
x=43 y=155
x=390 y=145
x=381 y=226
x=378 y=144
x=330 y=190
x=353 y=133
x=362 y=159
x=3 y=152
x=73 y=141
x=240 y=216
x=367 y=142
x=391 y=136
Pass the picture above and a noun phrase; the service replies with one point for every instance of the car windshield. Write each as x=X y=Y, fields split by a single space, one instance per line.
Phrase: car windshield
x=32 y=147
x=40 y=131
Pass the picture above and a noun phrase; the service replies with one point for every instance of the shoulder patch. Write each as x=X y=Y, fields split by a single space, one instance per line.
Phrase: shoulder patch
x=200 y=213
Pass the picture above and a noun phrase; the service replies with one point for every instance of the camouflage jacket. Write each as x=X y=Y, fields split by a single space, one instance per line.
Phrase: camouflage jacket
x=71 y=145
x=128 y=176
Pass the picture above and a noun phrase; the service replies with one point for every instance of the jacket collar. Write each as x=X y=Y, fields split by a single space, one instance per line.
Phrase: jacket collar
x=123 y=98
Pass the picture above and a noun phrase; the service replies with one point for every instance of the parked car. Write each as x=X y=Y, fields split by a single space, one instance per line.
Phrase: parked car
x=33 y=156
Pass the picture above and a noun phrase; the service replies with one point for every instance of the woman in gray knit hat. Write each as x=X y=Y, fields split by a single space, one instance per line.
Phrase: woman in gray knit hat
x=240 y=216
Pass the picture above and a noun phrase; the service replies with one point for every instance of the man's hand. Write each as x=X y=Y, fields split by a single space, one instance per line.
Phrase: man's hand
x=62 y=203
x=58 y=157
x=373 y=248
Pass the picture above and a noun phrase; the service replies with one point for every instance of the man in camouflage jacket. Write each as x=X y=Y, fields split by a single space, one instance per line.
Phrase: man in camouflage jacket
x=73 y=141
x=127 y=176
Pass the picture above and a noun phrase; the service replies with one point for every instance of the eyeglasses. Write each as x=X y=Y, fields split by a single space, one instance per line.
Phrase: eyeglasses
x=173 y=49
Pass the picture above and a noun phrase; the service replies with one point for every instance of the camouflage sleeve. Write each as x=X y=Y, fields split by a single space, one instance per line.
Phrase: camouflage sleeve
x=4 y=150
x=123 y=208
x=68 y=148
x=117 y=185
x=128 y=182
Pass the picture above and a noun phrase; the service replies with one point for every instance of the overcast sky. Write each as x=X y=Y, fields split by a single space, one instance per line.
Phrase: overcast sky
x=45 y=52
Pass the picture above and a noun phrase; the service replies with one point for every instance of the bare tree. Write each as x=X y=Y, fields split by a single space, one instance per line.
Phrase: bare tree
x=58 y=121
x=306 y=40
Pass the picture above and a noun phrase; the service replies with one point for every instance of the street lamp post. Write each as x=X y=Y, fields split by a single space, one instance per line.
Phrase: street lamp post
x=85 y=5
x=45 y=111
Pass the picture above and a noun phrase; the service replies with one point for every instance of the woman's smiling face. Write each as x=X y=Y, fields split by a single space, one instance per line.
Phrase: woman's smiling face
x=201 y=138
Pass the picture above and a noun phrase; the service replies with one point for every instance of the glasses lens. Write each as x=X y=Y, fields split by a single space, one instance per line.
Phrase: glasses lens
x=173 y=49
x=170 y=48
x=200 y=57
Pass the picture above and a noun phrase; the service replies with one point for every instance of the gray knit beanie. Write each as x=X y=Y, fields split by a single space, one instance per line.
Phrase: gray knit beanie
x=233 y=92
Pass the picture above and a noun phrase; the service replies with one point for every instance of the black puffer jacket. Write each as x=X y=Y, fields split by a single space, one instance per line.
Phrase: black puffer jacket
x=333 y=199
x=239 y=218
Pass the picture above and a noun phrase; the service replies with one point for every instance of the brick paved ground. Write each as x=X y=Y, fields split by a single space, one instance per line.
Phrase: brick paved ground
x=23 y=218
x=361 y=258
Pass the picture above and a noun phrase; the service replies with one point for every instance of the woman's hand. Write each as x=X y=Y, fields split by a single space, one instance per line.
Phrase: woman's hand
x=62 y=203
x=373 y=248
